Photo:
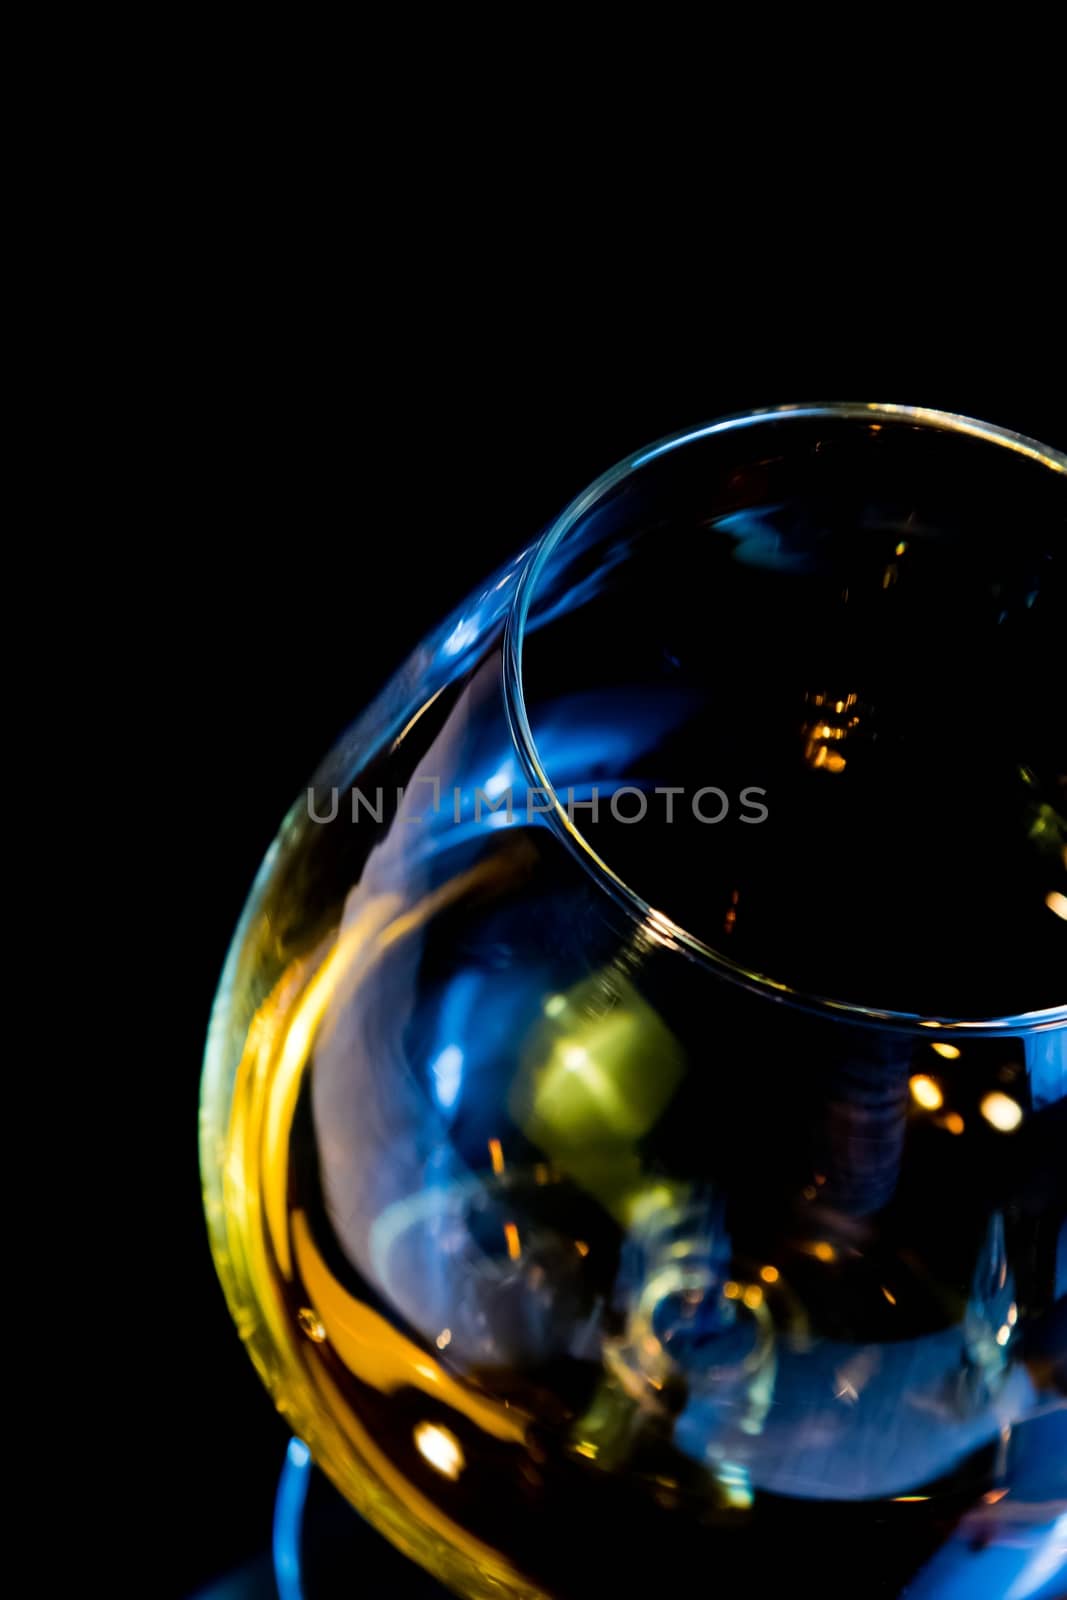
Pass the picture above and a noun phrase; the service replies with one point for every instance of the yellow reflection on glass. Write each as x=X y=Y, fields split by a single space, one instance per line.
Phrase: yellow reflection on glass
x=926 y=1092
x=311 y=1325
x=769 y=1274
x=1002 y=1112
x=378 y=1355
x=1057 y=903
x=440 y=1448
x=949 y=1051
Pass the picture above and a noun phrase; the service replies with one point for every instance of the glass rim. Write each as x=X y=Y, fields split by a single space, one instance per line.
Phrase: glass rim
x=657 y=926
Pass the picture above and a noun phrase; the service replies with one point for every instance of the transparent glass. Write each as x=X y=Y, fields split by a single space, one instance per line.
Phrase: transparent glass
x=634 y=1122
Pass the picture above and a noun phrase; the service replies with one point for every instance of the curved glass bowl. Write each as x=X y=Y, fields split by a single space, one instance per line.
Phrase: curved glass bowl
x=635 y=1105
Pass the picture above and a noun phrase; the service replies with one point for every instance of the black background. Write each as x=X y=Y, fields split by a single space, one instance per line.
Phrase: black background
x=310 y=513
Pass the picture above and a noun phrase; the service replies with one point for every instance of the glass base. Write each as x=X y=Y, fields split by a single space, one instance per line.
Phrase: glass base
x=324 y=1550
x=1014 y=1547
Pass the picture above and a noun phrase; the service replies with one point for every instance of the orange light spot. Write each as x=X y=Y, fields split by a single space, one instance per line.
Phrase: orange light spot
x=926 y=1092
x=1001 y=1112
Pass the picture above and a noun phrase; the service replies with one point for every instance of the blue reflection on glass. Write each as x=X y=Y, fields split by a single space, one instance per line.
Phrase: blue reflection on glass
x=447 y=1072
x=288 y=1516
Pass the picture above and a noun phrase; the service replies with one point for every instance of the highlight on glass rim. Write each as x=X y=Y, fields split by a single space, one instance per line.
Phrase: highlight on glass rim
x=619 y=1203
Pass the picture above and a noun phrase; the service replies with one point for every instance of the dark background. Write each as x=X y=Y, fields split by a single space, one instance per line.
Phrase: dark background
x=312 y=513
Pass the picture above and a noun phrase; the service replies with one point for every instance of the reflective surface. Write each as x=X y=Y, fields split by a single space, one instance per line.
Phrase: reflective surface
x=635 y=1114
